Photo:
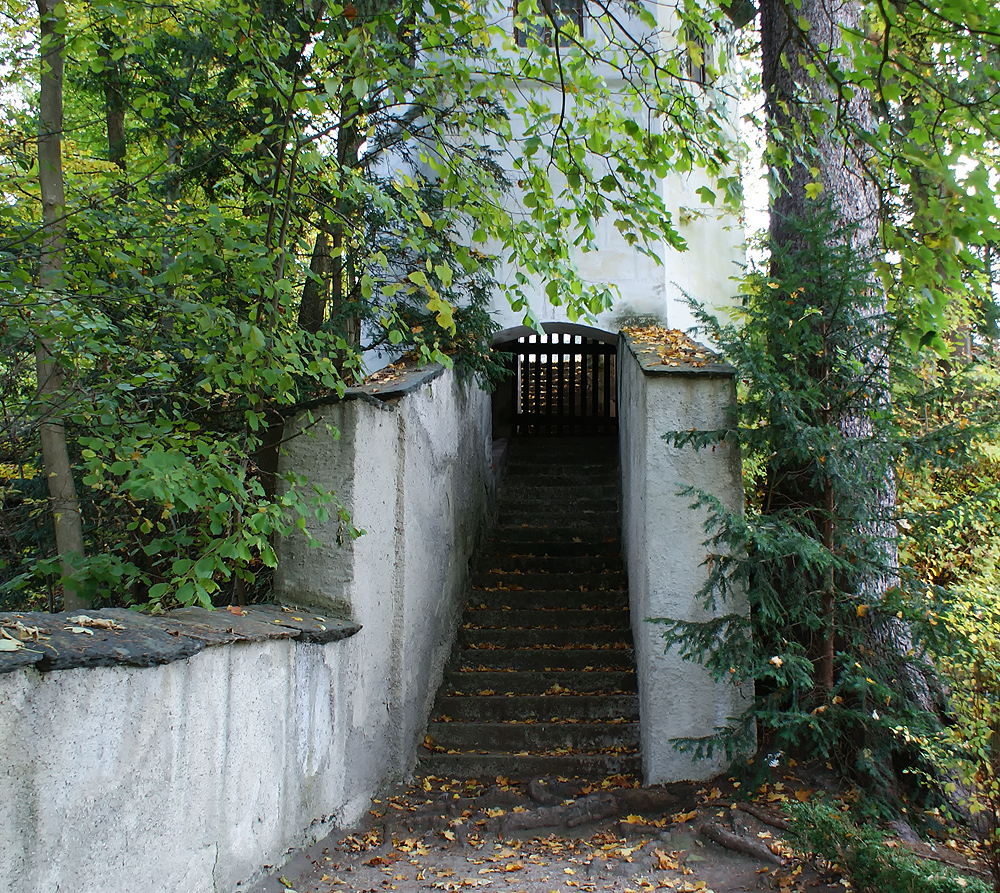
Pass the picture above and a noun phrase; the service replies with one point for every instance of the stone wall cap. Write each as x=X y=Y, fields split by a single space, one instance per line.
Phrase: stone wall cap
x=119 y=637
x=389 y=383
x=660 y=351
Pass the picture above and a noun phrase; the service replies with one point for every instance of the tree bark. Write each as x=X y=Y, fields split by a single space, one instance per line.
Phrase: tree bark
x=315 y=293
x=66 y=516
x=835 y=155
x=839 y=154
x=114 y=103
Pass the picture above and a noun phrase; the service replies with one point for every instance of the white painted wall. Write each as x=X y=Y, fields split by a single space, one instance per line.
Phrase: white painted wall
x=659 y=291
x=189 y=777
x=662 y=540
x=414 y=473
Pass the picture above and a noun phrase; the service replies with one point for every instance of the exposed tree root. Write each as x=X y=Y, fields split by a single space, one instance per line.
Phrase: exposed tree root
x=738 y=844
x=767 y=816
x=542 y=803
x=923 y=851
x=645 y=799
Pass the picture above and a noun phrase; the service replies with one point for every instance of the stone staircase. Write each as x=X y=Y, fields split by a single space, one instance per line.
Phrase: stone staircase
x=542 y=677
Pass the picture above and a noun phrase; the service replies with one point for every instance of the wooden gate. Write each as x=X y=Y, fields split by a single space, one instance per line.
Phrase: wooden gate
x=562 y=384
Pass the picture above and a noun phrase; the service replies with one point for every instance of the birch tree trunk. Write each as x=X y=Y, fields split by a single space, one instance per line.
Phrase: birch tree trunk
x=66 y=516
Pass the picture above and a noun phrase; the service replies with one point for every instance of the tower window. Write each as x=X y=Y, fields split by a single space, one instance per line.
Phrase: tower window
x=696 y=50
x=562 y=12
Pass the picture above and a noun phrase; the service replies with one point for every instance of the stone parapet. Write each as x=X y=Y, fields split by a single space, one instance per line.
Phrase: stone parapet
x=667 y=382
x=119 y=637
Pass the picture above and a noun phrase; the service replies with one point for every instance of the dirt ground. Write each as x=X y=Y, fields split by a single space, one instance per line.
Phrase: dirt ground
x=561 y=836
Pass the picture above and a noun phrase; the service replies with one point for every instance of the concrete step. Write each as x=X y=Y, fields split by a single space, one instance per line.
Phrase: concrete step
x=564 y=455
x=612 y=619
x=512 y=637
x=581 y=463
x=542 y=679
x=595 y=537
x=559 y=519
x=555 y=473
x=568 y=581
x=568 y=488
x=544 y=659
x=565 y=444
x=535 y=737
x=561 y=485
x=569 y=500
x=501 y=708
x=546 y=599
x=540 y=549
x=524 y=766
x=555 y=684
x=551 y=564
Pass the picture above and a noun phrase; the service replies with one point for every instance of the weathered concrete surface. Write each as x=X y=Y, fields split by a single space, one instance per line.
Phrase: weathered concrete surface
x=149 y=767
x=664 y=551
x=413 y=469
x=187 y=776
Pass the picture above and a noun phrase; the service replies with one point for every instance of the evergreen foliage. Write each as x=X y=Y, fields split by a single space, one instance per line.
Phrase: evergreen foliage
x=860 y=852
x=821 y=443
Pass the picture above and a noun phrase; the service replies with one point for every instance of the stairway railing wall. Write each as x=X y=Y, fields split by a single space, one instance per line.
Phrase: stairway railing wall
x=185 y=753
x=412 y=467
x=663 y=543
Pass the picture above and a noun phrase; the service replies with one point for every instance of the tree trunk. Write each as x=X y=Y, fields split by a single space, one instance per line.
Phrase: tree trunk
x=839 y=155
x=114 y=103
x=66 y=515
x=834 y=156
x=315 y=293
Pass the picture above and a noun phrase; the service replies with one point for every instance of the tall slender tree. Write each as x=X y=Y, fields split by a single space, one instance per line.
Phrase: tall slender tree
x=65 y=506
x=815 y=153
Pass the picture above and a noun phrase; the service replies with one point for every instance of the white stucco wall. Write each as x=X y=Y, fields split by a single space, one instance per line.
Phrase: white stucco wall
x=663 y=546
x=414 y=473
x=704 y=271
x=190 y=776
x=647 y=288
x=184 y=777
x=714 y=235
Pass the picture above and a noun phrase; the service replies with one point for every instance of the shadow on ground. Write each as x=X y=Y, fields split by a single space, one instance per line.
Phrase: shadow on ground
x=555 y=836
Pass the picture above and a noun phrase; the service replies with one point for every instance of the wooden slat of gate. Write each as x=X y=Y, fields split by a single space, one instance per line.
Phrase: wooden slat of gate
x=550 y=416
x=561 y=366
x=563 y=385
x=572 y=385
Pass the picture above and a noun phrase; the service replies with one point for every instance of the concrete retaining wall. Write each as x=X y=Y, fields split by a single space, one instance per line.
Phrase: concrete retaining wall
x=663 y=545
x=187 y=776
x=193 y=773
x=414 y=473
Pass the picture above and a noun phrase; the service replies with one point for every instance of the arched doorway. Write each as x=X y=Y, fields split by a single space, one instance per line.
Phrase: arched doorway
x=562 y=382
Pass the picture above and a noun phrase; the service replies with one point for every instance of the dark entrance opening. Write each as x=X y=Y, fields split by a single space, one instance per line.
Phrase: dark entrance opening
x=561 y=383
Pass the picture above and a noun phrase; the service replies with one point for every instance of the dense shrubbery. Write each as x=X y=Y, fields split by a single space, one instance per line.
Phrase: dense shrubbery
x=852 y=629
x=872 y=867
x=238 y=204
